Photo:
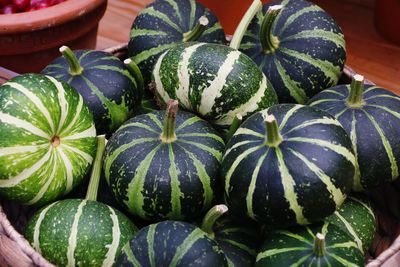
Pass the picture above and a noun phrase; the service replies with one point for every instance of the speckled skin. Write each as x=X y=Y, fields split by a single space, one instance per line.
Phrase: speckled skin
x=33 y=110
x=50 y=232
x=105 y=84
x=172 y=243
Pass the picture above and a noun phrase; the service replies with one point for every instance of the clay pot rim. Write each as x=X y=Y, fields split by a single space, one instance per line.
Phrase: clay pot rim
x=47 y=17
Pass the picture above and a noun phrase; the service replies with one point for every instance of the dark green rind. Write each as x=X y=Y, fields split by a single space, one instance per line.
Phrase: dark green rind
x=155 y=180
x=106 y=85
x=357 y=219
x=162 y=24
x=94 y=232
x=374 y=129
x=278 y=186
x=171 y=243
x=26 y=116
x=310 y=56
x=214 y=81
x=294 y=247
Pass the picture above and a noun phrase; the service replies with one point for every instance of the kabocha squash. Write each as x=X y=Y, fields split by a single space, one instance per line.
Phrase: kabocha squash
x=172 y=243
x=357 y=219
x=371 y=117
x=105 y=83
x=323 y=246
x=165 y=171
x=214 y=81
x=288 y=164
x=47 y=139
x=238 y=238
x=76 y=232
x=298 y=46
x=164 y=23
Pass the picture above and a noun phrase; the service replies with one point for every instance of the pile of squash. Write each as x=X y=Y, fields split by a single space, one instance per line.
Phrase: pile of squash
x=251 y=161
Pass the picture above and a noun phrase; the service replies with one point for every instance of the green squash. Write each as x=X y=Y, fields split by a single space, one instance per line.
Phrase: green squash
x=371 y=117
x=165 y=171
x=288 y=164
x=310 y=246
x=165 y=23
x=171 y=243
x=213 y=81
x=104 y=82
x=47 y=139
x=298 y=46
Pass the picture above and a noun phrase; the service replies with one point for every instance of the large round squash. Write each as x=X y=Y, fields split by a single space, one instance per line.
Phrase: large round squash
x=299 y=47
x=47 y=139
x=214 y=81
x=288 y=164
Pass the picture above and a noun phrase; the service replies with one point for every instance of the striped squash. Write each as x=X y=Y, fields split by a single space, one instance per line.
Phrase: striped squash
x=318 y=245
x=357 y=219
x=214 y=81
x=77 y=232
x=164 y=172
x=300 y=47
x=105 y=83
x=164 y=23
x=171 y=243
x=371 y=117
x=288 y=164
x=47 y=139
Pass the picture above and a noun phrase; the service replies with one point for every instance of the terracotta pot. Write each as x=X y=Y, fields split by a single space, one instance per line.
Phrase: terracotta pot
x=386 y=19
x=30 y=40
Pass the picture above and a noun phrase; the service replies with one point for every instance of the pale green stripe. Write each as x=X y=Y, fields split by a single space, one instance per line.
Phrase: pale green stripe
x=116 y=69
x=370 y=89
x=383 y=96
x=156 y=120
x=248 y=131
x=139 y=125
x=341 y=150
x=351 y=230
x=193 y=6
x=186 y=246
x=296 y=236
x=73 y=237
x=208 y=135
x=310 y=233
x=335 y=192
x=330 y=70
x=324 y=230
x=288 y=114
x=314 y=103
x=154 y=13
x=353 y=136
x=85 y=54
x=150 y=244
x=294 y=16
x=324 y=120
x=214 y=28
x=251 y=35
x=144 y=32
x=238 y=230
x=236 y=163
x=139 y=58
x=288 y=185
x=217 y=154
x=275 y=251
x=337 y=115
x=319 y=33
x=248 y=45
x=392 y=112
x=364 y=205
x=56 y=66
x=188 y=122
x=252 y=186
x=239 y=245
x=300 y=261
x=333 y=92
x=134 y=192
x=343 y=261
x=388 y=147
x=129 y=255
x=175 y=186
x=117 y=152
x=174 y=5
x=236 y=145
x=294 y=88
x=36 y=233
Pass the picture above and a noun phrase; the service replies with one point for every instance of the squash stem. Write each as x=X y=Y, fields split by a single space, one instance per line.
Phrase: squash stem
x=168 y=135
x=269 y=42
x=74 y=67
x=255 y=7
x=319 y=245
x=137 y=74
x=94 y=181
x=355 y=98
x=211 y=217
x=234 y=126
x=273 y=138
x=197 y=31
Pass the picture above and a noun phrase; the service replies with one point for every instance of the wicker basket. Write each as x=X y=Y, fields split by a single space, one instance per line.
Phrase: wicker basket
x=385 y=251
